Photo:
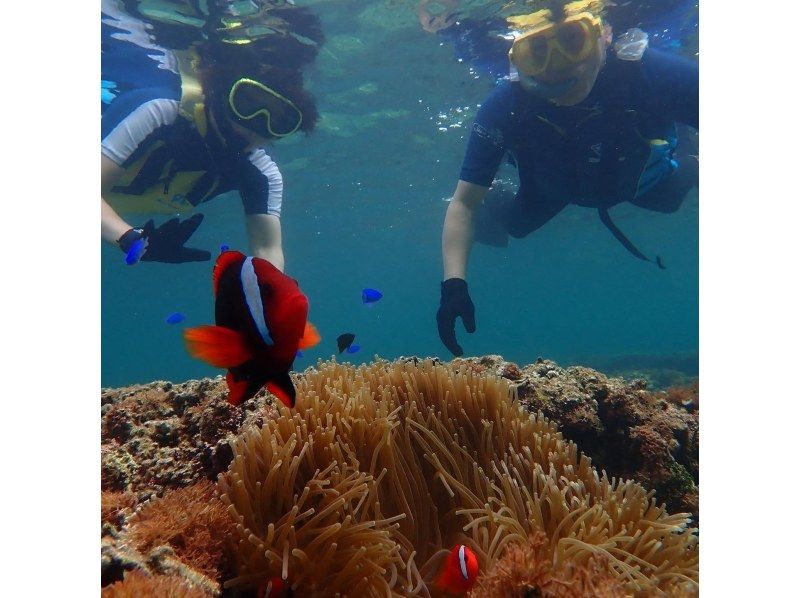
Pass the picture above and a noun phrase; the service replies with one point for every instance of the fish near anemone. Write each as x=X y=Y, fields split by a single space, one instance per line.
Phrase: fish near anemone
x=275 y=587
x=370 y=296
x=345 y=341
x=459 y=573
x=260 y=316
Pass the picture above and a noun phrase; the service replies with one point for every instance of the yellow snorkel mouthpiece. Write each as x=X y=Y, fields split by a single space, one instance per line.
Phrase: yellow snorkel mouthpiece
x=250 y=99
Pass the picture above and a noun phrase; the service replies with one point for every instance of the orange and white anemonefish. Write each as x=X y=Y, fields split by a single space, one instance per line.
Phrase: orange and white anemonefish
x=459 y=573
x=275 y=587
x=260 y=316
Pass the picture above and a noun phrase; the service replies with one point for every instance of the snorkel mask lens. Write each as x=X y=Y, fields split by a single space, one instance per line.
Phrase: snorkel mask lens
x=258 y=107
x=556 y=47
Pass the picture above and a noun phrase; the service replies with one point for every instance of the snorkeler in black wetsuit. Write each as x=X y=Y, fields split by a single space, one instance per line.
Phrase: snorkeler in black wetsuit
x=583 y=125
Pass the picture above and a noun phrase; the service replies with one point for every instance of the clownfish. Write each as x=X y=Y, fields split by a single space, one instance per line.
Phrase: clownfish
x=275 y=587
x=459 y=573
x=260 y=316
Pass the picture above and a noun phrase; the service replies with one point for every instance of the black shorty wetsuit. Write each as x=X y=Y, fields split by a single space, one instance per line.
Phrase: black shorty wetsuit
x=618 y=145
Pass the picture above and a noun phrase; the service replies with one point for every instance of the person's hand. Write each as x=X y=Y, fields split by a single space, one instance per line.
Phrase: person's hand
x=166 y=243
x=455 y=301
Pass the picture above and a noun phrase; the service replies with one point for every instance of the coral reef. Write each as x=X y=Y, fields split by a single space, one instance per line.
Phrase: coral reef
x=380 y=468
x=163 y=436
x=628 y=431
x=137 y=584
x=115 y=507
x=192 y=521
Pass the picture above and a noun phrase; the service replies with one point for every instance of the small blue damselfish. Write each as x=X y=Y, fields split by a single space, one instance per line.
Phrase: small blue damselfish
x=175 y=318
x=353 y=348
x=136 y=251
x=370 y=295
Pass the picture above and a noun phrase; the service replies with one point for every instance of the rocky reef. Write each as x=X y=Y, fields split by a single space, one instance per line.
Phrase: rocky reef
x=163 y=444
x=651 y=437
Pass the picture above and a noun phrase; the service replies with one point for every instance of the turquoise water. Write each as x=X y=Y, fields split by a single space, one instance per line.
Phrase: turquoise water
x=363 y=207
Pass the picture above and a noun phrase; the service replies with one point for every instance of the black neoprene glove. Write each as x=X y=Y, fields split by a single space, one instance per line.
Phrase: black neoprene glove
x=165 y=243
x=455 y=301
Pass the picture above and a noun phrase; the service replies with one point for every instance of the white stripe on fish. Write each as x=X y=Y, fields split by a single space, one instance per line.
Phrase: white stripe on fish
x=252 y=294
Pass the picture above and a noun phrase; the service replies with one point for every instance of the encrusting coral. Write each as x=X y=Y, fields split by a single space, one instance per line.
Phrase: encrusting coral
x=381 y=468
x=115 y=505
x=191 y=521
x=138 y=585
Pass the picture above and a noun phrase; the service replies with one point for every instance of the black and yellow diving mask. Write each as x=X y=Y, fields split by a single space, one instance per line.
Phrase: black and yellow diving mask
x=550 y=46
x=263 y=110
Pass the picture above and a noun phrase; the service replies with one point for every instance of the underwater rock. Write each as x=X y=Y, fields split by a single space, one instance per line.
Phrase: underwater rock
x=627 y=430
x=162 y=435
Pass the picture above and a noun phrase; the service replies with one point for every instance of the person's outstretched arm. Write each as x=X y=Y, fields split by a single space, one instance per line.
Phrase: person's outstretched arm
x=161 y=244
x=261 y=189
x=457 y=232
x=264 y=233
x=455 y=301
x=112 y=226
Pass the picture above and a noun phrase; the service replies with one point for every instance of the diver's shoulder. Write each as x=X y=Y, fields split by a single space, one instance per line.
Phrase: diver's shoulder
x=502 y=93
x=656 y=60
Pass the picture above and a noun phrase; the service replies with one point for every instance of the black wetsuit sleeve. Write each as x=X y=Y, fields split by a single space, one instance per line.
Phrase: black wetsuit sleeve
x=674 y=83
x=488 y=138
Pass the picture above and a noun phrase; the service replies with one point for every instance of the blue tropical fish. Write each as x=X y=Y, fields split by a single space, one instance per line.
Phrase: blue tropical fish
x=353 y=348
x=370 y=295
x=136 y=251
x=175 y=318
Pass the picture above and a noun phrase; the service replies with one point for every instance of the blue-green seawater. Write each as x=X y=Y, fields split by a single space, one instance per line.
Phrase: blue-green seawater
x=364 y=203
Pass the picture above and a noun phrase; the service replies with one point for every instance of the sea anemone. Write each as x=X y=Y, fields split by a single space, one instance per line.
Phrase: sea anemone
x=381 y=468
x=527 y=570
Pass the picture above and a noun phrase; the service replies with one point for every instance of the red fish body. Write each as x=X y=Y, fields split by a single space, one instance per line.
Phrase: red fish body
x=275 y=587
x=260 y=316
x=459 y=573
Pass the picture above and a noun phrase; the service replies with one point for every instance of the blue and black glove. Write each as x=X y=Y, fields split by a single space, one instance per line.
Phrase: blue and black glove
x=455 y=301
x=163 y=244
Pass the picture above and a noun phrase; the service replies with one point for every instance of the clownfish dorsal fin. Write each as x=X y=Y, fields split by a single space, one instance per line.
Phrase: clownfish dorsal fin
x=225 y=260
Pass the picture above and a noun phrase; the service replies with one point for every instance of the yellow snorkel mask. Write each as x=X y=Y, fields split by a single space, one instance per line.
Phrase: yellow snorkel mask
x=546 y=45
x=249 y=100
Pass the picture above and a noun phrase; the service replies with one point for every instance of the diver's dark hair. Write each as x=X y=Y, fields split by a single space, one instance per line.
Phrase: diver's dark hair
x=275 y=60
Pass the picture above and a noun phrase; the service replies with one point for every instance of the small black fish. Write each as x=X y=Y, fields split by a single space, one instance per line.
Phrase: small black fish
x=660 y=263
x=343 y=341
